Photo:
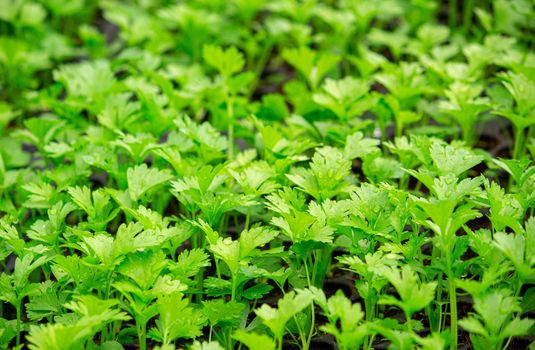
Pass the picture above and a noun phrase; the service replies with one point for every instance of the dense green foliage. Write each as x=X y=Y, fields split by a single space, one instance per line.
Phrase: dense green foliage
x=223 y=174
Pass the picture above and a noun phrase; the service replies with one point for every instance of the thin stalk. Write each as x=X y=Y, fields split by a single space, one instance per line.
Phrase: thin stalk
x=142 y=336
x=435 y=255
x=306 y=271
x=372 y=339
x=314 y=268
x=200 y=280
x=453 y=306
x=369 y=306
x=531 y=132
x=106 y=297
x=404 y=181
x=518 y=150
x=452 y=15
x=217 y=269
x=468 y=134
x=234 y=287
x=259 y=68
x=196 y=242
x=439 y=299
x=230 y=130
x=116 y=326
x=467 y=15
x=18 y=307
x=247 y=218
x=312 y=315
x=224 y=224
x=409 y=323
x=312 y=322
x=518 y=289
x=399 y=127
x=300 y=331
x=236 y=223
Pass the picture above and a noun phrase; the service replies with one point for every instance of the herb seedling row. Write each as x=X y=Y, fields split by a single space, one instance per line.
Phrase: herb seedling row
x=304 y=174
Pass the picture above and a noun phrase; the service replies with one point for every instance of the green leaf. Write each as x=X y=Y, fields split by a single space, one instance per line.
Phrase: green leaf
x=255 y=341
x=344 y=319
x=311 y=64
x=222 y=312
x=255 y=237
x=414 y=295
x=257 y=291
x=514 y=247
x=522 y=89
x=190 y=262
x=347 y=98
x=47 y=303
x=326 y=176
x=473 y=325
x=119 y=112
x=495 y=319
x=95 y=313
x=227 y=62
x=213 y=345
x=142 y=179
x=87 y=79
x=177 y=319
x=8 y=331
x=290 y=305
x=81 y=196
x=518 y=327
x=453 y=160
x=229 y=251
x=273 y=107
x=41 y=195
x=357 y=146
x=143 y=267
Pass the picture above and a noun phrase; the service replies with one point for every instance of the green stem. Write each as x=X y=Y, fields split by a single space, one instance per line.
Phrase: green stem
x=399 y=127
x=247 y=218
x=105 y=332
x=453 y=306
x=467 y=15
x=115 y=328
x=218 y=271
x=314 y=269
x=369 y=306
x=306 y=272
x=142 y=336
x=518 y=289
x=18 y=307
x=230 y=140
x=230 y=131
x=452 y=18
x=312 y=322
x=404 y=181
x=259 y=68
x=439 y=299
x=279 y=342
x=468 y=134
x=372 y=339
x=518 y=150
x=200 y=280
x=306 y=341
x=234 y=286
x=433 y=317
x=409 y=323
